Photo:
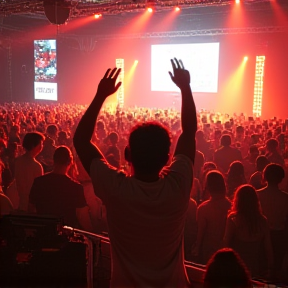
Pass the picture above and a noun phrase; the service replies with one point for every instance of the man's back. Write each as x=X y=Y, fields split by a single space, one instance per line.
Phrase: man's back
x=224 y=156
x=146 y=212
x=211 y=216
x=146 y=222
x=56 y=194
x=274 y=204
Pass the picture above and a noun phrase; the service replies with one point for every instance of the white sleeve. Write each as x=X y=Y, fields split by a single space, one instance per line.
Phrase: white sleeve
x=105 y=178
x=181 y=171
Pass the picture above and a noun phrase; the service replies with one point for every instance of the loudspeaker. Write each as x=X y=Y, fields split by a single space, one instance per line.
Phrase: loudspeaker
x=57 y=11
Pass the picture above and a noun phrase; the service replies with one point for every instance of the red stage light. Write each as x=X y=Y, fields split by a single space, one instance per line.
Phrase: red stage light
x=150 y=10
x=237 y=1
x=177 y=8
x=97 y=16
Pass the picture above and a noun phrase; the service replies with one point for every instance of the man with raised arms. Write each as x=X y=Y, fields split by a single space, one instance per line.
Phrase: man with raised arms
x=146 y=210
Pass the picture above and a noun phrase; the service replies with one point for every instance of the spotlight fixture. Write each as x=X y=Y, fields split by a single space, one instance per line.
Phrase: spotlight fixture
x=150 y=5
x=246 y=58
x=177 y=8
x=237 y=1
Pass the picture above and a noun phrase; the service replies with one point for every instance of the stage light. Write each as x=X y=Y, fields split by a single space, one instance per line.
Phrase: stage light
x=177 y=9
x=237 y=1
x=97 y=16
x=246 y=58
x=135 y=62
x=150 y=10
x=258 y=85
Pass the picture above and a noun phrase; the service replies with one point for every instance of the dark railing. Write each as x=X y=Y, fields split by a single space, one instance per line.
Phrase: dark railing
x=195 y=271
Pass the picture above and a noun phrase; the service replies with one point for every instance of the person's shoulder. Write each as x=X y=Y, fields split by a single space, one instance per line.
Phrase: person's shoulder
x=4 y=198
x=261 y=192
x=37 y=163
x=75 y=182
x=256 y=174
x=43 y=178
x=192 y=202
x=232 y=216
x=204 y=205
x=199 y=155
x=219 y=150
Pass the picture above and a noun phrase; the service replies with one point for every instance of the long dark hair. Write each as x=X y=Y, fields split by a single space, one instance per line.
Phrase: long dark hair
x=235 y=177
x=226 y=269
x=246 y=205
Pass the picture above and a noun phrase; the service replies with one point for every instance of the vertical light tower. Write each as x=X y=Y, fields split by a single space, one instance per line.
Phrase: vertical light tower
x=258 y=85
x=120 y=92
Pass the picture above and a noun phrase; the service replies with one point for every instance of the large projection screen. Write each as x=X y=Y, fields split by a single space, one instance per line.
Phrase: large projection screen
x=45 y=67
x=201 y=59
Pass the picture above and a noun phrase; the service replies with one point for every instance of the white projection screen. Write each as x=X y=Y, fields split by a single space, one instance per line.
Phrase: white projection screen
x=45 y=70
x=201 y=59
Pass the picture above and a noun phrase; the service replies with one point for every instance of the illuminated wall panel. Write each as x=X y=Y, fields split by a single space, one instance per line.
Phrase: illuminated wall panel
x=258 y=85
x=120 y=92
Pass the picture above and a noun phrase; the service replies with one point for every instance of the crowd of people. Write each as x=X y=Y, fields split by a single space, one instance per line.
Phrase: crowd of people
x=238 y=197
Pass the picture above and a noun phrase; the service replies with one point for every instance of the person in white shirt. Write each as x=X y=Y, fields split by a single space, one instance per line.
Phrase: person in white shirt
x=145 y=211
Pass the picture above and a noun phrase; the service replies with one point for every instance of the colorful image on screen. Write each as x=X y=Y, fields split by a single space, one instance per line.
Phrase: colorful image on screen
x=45 y=57
x=45 y=67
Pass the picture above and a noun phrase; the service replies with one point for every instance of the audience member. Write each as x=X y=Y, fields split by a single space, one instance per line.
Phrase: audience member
x=247 y=232
x=190 y=230
x=226 y=154
x=225 y=269
x=55 y=193
x=249 y=162
x=274 y=203
x=256 y=179
x=272 y=152
x=208 y=166
x=27 y=168
x=202 y=144
x=211 y=218
x=6 y=206
x=112 y=153
x=235 y=178
x=146 y=211
x=46 y=155
x=198 y=164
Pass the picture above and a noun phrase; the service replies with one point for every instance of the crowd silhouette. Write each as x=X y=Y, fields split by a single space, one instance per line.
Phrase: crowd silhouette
x=233 y=198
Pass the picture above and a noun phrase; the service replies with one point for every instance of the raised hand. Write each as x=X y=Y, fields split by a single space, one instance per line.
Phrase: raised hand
x=181 y=76
x=107 y=85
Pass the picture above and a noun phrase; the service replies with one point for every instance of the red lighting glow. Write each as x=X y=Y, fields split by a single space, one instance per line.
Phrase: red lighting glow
x=97 y=16
x=177 y=8
x=150 y=10
x=237 y=1
x=246 y=58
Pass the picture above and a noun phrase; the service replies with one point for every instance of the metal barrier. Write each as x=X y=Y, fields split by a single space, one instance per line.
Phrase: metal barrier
x=195 y=271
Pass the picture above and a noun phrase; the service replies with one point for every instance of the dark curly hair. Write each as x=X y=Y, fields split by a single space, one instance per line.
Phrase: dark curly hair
x=149 y=145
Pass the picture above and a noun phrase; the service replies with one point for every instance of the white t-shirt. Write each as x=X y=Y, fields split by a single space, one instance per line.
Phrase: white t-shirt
x=146 y=223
